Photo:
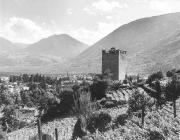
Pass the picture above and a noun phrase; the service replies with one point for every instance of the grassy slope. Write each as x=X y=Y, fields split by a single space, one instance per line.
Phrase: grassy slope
x=161 y=121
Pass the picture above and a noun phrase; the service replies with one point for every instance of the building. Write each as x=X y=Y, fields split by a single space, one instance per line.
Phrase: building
x=114 y=62
x=177 y=76
x=4 y=79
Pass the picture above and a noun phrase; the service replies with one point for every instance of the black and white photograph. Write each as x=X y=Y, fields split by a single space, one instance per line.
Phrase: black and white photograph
x=89 y=69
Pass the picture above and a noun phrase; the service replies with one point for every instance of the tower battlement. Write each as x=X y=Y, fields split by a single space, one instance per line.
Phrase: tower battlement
x=114 y=51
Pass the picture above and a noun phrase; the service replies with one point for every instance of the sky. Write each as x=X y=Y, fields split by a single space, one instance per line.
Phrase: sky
x=28 y=21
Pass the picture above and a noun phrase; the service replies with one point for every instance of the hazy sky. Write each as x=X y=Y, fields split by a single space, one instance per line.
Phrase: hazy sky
x=27 y=21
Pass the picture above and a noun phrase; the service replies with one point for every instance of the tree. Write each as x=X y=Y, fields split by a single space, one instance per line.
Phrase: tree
x=57 y=108
x=173 y=93
x=158 y=95
x=26 y=99
x=170 y=73
x=6 y=98
x=98 y=89
x=139 y=102
x=82 y=101
x=9 y=118
x=158 y=89
x=155 y=76
x=25 y=78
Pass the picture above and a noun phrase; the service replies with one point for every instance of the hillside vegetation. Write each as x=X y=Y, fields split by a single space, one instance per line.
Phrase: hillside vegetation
x=150 y=112
x=151 y=43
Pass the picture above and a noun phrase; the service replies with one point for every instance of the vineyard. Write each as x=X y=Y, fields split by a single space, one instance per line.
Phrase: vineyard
x=107 y=110
x=65 y=126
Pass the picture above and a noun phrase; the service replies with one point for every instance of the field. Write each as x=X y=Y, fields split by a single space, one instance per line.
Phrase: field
x=161 y=121
x=65 y=127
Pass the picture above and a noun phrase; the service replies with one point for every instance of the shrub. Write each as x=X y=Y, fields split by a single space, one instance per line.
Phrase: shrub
x=155 y=76
x=64 y=107
x=115 y=86
x=25 y=98
x=96 y=136
x=2 y=134
x=110 y=104
x=173 y=93
x=121 y=119
x=138 y=100
x=170 y=73
x=6 y=98
x=22 y=124
x=79 y=128
x=66 y=102
x=84 y=108
x=172 y=90
x=9 y=118
x=98 y=121
x=76 y=100
x=98 y=89
x=82 y=101
x=155 y=135
x=44 y=137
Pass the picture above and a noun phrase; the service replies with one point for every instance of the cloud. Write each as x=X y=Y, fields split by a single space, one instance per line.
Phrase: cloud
x=23 y=30
x=165 y=6
x=92 y=36
x=85 y=35
x=89 y=11
x=104 y=6
x=69 y=11
x=26 y=31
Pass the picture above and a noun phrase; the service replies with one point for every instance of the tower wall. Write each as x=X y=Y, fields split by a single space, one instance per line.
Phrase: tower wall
x=122 y=66
x=113 y=62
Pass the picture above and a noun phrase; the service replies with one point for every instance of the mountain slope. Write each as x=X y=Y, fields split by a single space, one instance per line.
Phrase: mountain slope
x=46 y=55
x=6 y=45
x=139 y=38
x=62 y=46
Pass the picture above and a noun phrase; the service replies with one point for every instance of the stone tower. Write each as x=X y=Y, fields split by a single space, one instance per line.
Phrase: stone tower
x=114 y=61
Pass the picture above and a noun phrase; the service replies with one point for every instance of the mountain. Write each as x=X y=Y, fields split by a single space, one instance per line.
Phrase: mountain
x=151 y=43
x=7 y=50
x=20 y=46
x=6 y=45
x=63 y=46
x=46 y=55
x=10 y=47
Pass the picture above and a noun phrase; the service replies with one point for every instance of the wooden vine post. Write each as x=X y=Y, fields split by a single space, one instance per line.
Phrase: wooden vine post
x=39 y=128
x=56 y=133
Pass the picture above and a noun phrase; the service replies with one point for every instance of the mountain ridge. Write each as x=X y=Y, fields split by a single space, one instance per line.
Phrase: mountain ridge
x=61 y=45
x=135 y=37
x=52 y=51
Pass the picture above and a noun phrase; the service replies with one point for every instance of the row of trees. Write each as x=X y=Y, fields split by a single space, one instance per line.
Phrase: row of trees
x=25 y=78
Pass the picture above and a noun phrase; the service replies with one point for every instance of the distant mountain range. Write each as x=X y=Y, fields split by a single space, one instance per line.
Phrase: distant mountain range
x=41 y=56
x=151 y=43
x=63 y=46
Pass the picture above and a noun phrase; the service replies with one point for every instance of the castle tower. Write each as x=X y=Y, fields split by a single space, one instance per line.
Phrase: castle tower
x=114 y=62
